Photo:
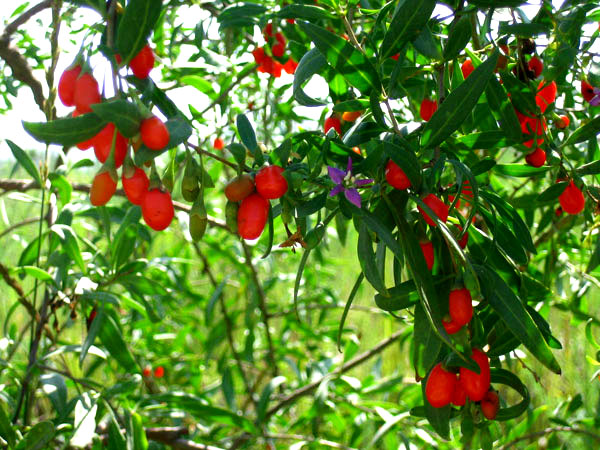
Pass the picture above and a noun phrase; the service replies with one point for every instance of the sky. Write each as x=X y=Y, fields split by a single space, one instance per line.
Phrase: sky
x=24 y=108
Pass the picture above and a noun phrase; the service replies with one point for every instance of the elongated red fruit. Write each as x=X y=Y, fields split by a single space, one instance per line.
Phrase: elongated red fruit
x=252 y=216
x=476 y=385
x=440 y=386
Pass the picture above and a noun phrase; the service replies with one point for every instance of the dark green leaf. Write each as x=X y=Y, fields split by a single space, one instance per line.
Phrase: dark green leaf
x=458 y=38
x=125 y=115
x=523 y=29
x=67 y=132
x=303 y=12
x=500 y=103
x=520 y=170
x=353 y=292
x=501 y=376
x=265 y=396
x=366 y=258
x=246 y=132
x=311 y=63
x=115 y=344
x=552 y=193
x=38 y=437
x=426 y=344
x=7 y=432
x=585 y=132
x=25 y=161
x=592 y=168
x=400 y=297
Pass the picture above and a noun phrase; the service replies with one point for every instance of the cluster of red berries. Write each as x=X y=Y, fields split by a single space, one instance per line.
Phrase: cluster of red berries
x=159 y=372
x=272 y=63
x=78 y=87
x=250 y=197
x=445 y=387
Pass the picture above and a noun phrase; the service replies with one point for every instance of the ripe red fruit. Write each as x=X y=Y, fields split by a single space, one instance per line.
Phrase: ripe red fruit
x=66 y=85
x=142 y=63
x=467 y=68
x=463 y=240
x=136 y=186
x=218 y=144
x=440 y=386
x=103 y=144
x=268 y=31
x=351 y=116
x=572 y=199
x=280 y=38
x=437 y=206
x=395 y=176
x=270 y=183
x=537 y=158
x=259 y=55
x=252 y=216
x=476 y=385
x=546 y=95
x=239 y=188
x=460 y=306
x=333 y=122
x=459 y=397
x=490 y=405
x=278 y=50
x=147 y=371
x=159 y=372
x=357 y=150
x=103 y=188
x=451 y=327
x=155 y=134
x=428 y=107
x=395 y=57
x=86 y=93
x=587 y=91
x=536 y=66
x=157 y=209
x=428 y=253
x=290 y=66
x=563 y=122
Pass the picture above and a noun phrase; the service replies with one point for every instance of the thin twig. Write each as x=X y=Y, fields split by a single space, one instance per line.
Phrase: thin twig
x=549 y=431
x=14 y=284
x=298 y=437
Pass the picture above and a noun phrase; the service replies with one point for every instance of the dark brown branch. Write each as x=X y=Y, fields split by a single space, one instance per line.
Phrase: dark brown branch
x=173 y=437
x=19 y=290
x=20 y=67
x=304 y=390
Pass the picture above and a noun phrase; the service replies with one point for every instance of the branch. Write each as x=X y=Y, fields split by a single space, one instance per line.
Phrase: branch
x=26 y=185
x=172 y=436
x=19 y=290
x=298 y=437
x=20 y=67
x=304 y=390
x=549 y=431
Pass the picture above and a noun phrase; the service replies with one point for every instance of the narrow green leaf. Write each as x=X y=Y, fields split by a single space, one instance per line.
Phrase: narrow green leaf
x=311 y=63
x=35 y=272
x=70 y=243
x=125 y=115
x=7 y=432
x=483 y=140
x=407 y=23
x=351 y=105
x=458 y=105
x=112 y=338
x=246 y=132
x=353 y=292
x=212 y=301
x=511 y=310
x=66 y=132
x=426 y=344
x=366 y=258
x=592 y=168
x=38 y=437
x=552 y=193
x=507 y=378
x=458 y=38
x=523 y=29
x=520 y=170
x=400 y=297
x=303 y=12
x=239 y=153
x=500 y=103
x=25 y=161
x=585 y=132
x=265 y=396
x=135 y=26
x=353 y=65
x=95 y=327
x=201 y=84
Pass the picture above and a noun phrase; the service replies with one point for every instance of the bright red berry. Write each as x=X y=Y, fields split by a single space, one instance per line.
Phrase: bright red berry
x=268 y=31
x=157 y=209
x=103 y=188
x=476 y=385
x=395 y=57
x=147 y=371
x=546 y=94
x=239 y=188
x=155 y=134
x=450 y=326
x=259 y=55
x=142 y=63
x=536 y=66
x=537 y=158
x=490 y=405
x=218 y=144
x=86 y=93
x=463 y=240
x=270 y=183
x=572 y=199
x=395 y=176
x=351 y=116
x=587 y=91
x=467 y=68
x=428 y=108
x=135 y=186
x=460 y=306
x=333 y=122
x=159 y=372
x=278 y=50
x=66 y=85
x=290 y=66
x=103 y=142
x=252 y=216
x=280 y=38
x=428 y=253
x=437 y=206
x=440 y=386
x=563 y=122
x=459 y=397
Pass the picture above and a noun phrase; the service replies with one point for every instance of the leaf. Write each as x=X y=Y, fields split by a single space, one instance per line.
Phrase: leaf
x=351 y=105
x=136 y=432
x=84 y=421
x=520 y=170
x=213 y=300
x=458 y=38
x=585 y=132
x=426 y=344
x=353 y=65
x=384 y=233
x=246 y=132
x=366 y=258
x=35 y=272
x=241 y=15
x=25 y=161
x=299 y=11
x=112 y=338
x=38 y=437
x=552 y=193
x=125 y=115
x=158 y=96
x=69 y=243
x=592 y=168
x=409 y=20
x=239 y=153
x=201 y=84
x=500 y=103
x=523 y=29
x=7 y=432
x=400 y=297
x=311 y=206
x=502 y=376
x=135 y=26
x=265 y=396
x=498 y=3
x=511 y=310
x=483 y=140
x=95 y=327
x=353 y=292
x=66 y=132
x=458 y=105
x=311 y=63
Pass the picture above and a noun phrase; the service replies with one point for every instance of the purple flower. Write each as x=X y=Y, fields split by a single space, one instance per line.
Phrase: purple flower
x=346 y=183
x=596 y=100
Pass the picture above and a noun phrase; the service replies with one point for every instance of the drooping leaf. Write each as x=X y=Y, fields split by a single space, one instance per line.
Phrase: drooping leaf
x=125 y=115
x=311 y=63
x=25 y=161
x=66 y=132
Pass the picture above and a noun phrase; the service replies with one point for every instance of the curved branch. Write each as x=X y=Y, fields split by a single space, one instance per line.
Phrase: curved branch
x=549 y=431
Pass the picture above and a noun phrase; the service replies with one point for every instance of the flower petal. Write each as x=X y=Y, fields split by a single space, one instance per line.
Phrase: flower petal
x=363 y=182
x=349 y=169
x=336 y=175
x=353 y=197
x=595 y=101
x=336 y=190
